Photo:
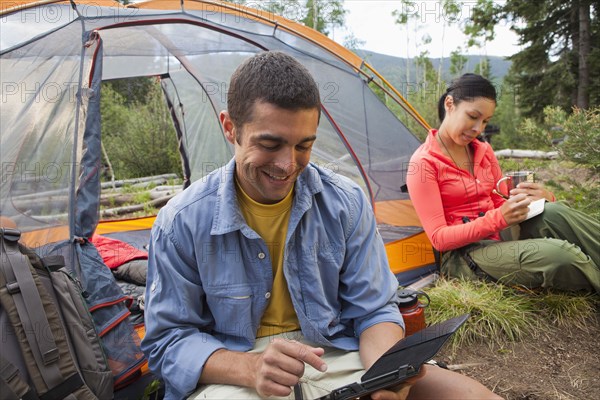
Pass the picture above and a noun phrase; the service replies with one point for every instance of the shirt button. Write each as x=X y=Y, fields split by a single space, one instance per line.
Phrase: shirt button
x=267 y=295
x=261 y=255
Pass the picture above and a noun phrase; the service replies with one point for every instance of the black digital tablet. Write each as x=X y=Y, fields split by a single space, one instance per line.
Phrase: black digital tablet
x=403 y=360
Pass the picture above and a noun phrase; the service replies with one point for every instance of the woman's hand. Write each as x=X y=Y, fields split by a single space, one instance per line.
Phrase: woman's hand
x=534 y=190
x=516 y=208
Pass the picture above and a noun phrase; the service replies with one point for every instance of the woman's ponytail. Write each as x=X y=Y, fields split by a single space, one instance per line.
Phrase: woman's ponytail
x=442 y=107
x=467 y=87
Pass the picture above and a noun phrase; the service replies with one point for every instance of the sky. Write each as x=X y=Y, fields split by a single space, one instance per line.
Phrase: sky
x=372 y=22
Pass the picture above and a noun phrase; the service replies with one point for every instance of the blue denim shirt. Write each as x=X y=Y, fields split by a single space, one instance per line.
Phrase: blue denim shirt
x=210 y=276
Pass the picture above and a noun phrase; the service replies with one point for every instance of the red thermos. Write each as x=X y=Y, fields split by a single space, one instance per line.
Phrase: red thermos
x=412 y=310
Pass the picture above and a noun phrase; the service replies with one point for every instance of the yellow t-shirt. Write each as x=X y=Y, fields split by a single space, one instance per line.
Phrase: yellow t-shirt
x=270 y=221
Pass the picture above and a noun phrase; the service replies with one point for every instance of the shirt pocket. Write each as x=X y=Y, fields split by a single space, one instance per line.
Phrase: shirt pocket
x=231 y=307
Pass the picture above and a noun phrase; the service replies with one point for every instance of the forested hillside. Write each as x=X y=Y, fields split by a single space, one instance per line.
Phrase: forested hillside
x=394 y=68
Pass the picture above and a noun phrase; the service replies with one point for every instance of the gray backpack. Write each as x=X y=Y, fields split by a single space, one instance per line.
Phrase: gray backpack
x=50 y=347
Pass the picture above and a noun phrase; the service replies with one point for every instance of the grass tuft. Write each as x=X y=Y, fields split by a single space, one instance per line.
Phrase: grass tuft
x=497 y=314
x=501 y=314
x=567 y=309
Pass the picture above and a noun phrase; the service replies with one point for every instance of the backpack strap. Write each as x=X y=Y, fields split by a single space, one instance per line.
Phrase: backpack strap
x=20 y=284
x=22 y=290
x=12 y=384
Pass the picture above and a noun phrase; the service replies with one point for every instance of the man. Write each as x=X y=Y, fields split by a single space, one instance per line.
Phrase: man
x=270 y=271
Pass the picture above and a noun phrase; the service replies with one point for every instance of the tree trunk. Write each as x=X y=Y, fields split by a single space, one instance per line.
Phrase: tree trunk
x=315 y=15
x=108 y=164
x=583 y=95
x=408 y=61
x=439 y=77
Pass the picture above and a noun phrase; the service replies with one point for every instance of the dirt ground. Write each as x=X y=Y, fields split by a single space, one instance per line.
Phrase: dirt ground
x=559 y=363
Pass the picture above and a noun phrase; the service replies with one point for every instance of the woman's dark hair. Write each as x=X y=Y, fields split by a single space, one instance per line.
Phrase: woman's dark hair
x=467 y=87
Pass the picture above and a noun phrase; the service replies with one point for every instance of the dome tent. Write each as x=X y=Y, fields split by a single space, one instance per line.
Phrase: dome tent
x=54 y=56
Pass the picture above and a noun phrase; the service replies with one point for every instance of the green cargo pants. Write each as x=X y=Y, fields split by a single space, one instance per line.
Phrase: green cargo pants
x=559 y=248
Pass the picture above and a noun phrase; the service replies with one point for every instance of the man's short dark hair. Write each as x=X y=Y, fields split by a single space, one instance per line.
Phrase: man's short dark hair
x=272 y=77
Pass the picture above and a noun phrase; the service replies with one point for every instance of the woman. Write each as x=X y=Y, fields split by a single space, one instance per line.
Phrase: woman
x=452 y=188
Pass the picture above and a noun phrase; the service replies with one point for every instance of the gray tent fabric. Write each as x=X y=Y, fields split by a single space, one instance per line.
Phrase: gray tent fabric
x=86 y=210
x=54 y=56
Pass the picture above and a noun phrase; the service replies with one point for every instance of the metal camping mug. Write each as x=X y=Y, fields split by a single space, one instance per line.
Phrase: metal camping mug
x=513 y=179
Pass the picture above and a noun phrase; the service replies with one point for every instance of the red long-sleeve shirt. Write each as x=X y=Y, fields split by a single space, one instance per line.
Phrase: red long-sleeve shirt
x=444 y=194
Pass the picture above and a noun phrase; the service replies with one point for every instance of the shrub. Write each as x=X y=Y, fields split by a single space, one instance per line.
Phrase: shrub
x=138 y=134
x=582 y=144
x=580 y=131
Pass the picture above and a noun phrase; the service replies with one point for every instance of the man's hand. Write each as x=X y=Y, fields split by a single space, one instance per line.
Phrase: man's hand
x=281 y=366
x=533 y=190
x=271 y=373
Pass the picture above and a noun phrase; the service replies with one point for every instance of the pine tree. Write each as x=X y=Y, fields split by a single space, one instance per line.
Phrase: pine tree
x=558 y=64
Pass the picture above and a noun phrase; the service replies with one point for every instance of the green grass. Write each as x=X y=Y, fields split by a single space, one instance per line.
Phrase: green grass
x=130 y=188
x=152 y=391
x=141 y=197
x=516 y=164
x=496 y=312
x=568 y=310
x=501 y=314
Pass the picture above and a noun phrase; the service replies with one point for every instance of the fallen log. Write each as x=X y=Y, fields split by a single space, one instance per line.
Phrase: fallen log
x=42 y=206
x=146 y=184
x=161 y=191
x=113 y=212
x=116 y=199
x=119 y=183
x=509 y=153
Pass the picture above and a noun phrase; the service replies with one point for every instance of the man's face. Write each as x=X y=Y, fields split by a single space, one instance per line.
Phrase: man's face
x=271 y=149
